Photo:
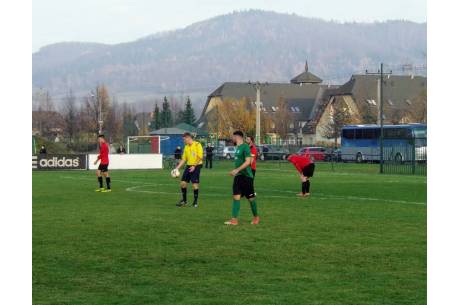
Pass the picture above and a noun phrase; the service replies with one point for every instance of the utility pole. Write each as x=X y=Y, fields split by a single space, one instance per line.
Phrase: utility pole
x=258 y=86
x=380 y=111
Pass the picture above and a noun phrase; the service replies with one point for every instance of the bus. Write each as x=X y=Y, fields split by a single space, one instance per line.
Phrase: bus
x=361 y=143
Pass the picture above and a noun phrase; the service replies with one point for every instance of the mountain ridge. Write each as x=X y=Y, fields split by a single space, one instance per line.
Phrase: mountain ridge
x=240 y=46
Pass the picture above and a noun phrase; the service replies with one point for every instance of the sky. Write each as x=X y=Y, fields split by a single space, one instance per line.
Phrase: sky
x=115 y=21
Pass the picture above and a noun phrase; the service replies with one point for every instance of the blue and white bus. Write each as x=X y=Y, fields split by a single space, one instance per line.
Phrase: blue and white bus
x=401 y=142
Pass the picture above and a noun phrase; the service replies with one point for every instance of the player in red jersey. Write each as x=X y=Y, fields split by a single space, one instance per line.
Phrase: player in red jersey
x=103 y=168
x=306 y=168
x=253 y=148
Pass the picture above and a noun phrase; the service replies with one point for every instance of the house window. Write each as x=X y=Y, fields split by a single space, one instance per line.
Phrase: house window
x=273 y=108
x=390 y=102
x=408 y=102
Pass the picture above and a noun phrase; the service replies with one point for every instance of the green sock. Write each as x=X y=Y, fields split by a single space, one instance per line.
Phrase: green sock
x=253 y=207
x=235 y=208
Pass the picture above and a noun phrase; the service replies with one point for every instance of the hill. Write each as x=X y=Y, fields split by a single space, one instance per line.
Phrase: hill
x=241 y=46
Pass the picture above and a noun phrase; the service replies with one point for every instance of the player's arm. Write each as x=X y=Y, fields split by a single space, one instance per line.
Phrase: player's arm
x=247 y=162
x=199 y=154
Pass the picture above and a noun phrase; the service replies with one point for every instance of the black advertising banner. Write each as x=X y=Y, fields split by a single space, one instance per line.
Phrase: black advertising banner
x=59 y=162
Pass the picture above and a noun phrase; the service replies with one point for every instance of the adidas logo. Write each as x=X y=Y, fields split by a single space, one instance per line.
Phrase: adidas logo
x=62 y=162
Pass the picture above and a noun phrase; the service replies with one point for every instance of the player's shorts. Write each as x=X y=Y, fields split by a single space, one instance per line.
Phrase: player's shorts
x=194 y=176
x=309 y=170
x=244 y=186
x=103 y=168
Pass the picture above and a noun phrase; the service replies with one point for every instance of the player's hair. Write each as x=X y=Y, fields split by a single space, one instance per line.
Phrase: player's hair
x=238 y=133
x=252 y=138
x=187 y=135
x=101 y=136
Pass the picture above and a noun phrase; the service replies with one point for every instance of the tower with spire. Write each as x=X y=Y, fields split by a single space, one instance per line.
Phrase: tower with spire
x=306 y=77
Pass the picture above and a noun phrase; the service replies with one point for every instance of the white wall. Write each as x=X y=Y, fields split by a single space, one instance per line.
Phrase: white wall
x=131 y=161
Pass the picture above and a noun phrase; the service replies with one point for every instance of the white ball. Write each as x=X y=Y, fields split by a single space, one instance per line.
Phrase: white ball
x=175 y=173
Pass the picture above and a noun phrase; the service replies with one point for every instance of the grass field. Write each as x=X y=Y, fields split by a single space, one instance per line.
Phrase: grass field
x=359 y=239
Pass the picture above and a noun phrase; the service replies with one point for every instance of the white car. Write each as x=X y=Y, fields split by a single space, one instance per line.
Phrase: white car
x=227 y=152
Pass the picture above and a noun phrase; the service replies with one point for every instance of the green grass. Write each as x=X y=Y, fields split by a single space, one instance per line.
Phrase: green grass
x=359 y=239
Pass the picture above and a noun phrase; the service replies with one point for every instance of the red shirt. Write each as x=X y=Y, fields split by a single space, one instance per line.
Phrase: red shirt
x=104 y=153
x=254 y=156
x=299 y=161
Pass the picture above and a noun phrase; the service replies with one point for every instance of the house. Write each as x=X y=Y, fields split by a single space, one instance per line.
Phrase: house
x=311 y=103
x=303 y=96
x=404 y=101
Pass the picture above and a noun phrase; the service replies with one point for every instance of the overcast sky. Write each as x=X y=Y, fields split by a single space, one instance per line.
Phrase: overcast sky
x=114 y=21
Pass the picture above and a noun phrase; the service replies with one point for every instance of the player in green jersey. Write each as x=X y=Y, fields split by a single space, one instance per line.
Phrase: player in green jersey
x=243 y=183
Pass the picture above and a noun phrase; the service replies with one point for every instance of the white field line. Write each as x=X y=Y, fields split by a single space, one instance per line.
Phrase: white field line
x=321 y=196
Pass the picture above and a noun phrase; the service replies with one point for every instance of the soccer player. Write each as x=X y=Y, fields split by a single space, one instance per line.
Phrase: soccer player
x=243 y=181
x=193 y=158
x=103 y=168
x=306 y=167
x=253 y=148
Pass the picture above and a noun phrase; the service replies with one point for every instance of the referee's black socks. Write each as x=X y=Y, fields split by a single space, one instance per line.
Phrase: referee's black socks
x=99 y=179
x=184 y=194
x=195 y=196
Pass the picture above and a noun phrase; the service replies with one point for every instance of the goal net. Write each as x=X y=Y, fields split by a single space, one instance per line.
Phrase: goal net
x=144 y=144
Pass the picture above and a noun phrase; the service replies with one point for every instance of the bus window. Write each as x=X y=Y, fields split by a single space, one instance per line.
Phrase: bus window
x=359 y=134
x=397 y=133
x=348 y=133
x=369 y=133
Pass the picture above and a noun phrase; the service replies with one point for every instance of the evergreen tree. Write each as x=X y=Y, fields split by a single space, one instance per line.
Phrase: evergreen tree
x=166 y=115
x=156 y=121
x=188 y=115
x=129 y=126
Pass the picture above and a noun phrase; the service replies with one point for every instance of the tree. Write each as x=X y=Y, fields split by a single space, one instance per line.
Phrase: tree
x=114 y=123
x=128 y=126
x=339 y=117
x=45 y=118
x=230 y=115
x=156 y=118
x=188 y=115
x=98 y=106
x=70 y=116
x=282 y=118
x=166 y=116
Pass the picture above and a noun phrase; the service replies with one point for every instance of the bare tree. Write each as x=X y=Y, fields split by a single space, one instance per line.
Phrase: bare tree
x=70 y=117
x=98 y=106
x=339 y=117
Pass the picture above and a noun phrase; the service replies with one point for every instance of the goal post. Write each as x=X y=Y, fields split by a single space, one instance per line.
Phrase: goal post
x=144 y=144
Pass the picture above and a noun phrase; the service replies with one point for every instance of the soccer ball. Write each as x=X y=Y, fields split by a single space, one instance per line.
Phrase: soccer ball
x=175 y=173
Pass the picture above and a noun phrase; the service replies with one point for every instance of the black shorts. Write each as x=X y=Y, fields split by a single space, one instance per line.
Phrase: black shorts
x=194 y=176
x=309 y=170
x=103 y=168
x=244 y=186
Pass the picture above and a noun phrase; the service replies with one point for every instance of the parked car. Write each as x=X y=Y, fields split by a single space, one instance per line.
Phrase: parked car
x=315 y=153
x=227 y=152
x=269 y=152
x=333 y=155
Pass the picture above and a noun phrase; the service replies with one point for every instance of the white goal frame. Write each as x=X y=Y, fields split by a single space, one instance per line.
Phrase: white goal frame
x=130 y=139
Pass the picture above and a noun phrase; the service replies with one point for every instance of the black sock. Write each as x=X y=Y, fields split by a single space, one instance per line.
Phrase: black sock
x=107 y=181
x=184 y=194
x=307 y=186
x=100 y=181
x=195 y=196
x=304 y=187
